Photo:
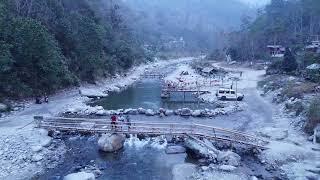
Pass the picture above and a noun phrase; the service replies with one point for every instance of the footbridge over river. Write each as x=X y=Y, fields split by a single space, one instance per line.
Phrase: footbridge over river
x=85 y=125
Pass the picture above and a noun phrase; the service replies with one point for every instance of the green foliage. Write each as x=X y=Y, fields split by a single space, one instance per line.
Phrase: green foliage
x=289 y=63
x=275 y=67
x=313 y=115
x=281 y=22
x=49 y=45
x=32 y=62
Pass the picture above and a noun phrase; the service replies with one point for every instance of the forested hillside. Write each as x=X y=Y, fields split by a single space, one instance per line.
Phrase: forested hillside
x=288 y=23
x=52 y=44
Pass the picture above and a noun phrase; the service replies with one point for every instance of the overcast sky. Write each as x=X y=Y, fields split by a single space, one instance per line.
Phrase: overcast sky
x=256 y=2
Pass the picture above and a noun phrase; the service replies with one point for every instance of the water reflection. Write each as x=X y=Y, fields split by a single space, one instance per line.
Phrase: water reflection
x=147 y=94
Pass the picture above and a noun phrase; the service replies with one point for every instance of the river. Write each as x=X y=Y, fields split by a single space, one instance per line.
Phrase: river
x=141 y=160
x=147 y=94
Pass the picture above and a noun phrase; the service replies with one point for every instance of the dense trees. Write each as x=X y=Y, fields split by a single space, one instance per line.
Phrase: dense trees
x=52 y=44
x=289 y=23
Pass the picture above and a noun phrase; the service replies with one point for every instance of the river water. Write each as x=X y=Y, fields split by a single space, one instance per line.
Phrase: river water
x=147 y=94
x=139 y=160
x=145 y=159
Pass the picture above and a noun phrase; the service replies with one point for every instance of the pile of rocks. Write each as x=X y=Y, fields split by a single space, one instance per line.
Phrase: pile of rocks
x=185 y=112
x=225 y=160
x=27 y=153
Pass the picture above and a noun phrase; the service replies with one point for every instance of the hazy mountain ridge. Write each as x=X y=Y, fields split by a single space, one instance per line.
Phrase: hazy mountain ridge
x=202 y=19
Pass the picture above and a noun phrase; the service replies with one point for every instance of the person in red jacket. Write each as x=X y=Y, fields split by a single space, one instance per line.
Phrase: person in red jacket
x=113 y=122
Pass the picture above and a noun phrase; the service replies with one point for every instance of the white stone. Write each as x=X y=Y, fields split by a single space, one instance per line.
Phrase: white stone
x=36 y=148
x=36 y=158
x=204 y=168
x=169 y=112
x=186 y=112
x=199 y=150
x=101 y=113
x=227 y=168
x=80 y=176
x=150 y=112
x=111 y=143
x=229 y=158
x=141 y=111
x=196 y=113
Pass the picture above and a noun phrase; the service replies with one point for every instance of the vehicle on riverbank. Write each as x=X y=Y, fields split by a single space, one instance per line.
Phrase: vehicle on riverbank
x=229 y=94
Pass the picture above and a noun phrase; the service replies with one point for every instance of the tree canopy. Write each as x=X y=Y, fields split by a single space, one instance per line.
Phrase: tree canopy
x=53 y=44
x=288 y=23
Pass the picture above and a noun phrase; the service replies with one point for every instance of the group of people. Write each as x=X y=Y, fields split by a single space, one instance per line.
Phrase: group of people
x=118 y=123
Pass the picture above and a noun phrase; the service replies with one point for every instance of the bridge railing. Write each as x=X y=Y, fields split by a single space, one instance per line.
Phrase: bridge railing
x=137 y=127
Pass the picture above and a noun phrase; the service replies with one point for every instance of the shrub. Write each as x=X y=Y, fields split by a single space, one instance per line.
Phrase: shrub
x=297 y=90
x=289 y=63
x=274 y=67
x=313 y=116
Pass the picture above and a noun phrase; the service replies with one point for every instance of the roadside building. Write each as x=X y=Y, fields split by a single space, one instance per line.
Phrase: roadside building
x=209 y=71
x=276 y=51
x=313 y=47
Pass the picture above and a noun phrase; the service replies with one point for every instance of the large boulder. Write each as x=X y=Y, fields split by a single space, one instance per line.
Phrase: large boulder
x=199 y=151
x=111 y=142
x=80 y=176
x=196 y=113
x=131 y=111
x=175 y=149
x=229 y=158
x=150 y=112
x=169 y=112
x=141 y=111
x=186 y=112
x=177 y=111
x=101 y=113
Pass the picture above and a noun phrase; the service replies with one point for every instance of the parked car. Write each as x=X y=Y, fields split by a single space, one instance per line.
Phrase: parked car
x=229 y=94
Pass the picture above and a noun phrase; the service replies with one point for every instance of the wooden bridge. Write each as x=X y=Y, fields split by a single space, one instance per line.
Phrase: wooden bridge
x=151 y=128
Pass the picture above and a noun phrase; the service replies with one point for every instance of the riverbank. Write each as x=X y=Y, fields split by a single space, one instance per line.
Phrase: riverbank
x=17 y=126
x=289 y=154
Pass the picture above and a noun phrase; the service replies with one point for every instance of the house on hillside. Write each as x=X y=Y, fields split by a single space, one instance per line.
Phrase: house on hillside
x=276 y=51
x=313 y=47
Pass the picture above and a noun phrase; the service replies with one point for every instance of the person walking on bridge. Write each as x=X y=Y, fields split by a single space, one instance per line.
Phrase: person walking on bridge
x=113 y=122
x=128 y=122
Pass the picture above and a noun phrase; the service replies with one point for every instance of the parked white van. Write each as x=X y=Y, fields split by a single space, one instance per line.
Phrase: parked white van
x=229 y=94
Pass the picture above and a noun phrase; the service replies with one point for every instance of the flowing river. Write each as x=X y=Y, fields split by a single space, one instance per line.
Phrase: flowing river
x=146 y=159
x=140 y=159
